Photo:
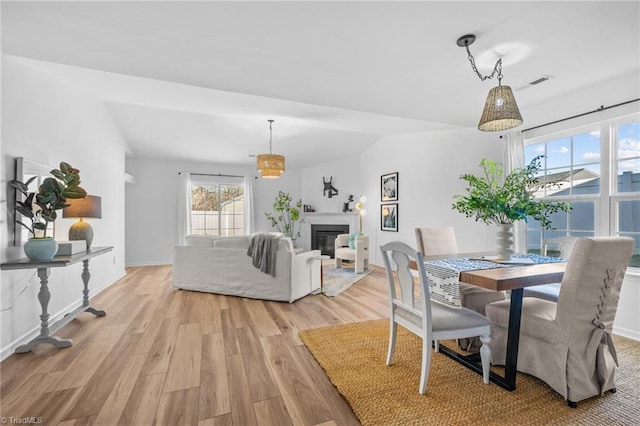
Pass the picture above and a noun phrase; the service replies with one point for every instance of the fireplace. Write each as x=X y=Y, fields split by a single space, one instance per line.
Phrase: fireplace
x=323 y=237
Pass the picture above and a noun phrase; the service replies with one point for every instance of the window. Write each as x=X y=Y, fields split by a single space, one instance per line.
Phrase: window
x=597 y=170
x=217 y=208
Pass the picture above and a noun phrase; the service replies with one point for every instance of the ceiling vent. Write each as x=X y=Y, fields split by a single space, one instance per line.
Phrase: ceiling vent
x=534 y=82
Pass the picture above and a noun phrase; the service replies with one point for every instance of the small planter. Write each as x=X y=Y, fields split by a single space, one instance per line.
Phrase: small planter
x=41 y=248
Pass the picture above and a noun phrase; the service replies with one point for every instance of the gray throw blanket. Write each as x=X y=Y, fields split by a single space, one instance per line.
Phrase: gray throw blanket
x=263 y=249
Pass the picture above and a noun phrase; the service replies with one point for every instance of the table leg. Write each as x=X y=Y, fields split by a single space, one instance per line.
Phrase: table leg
x=45 y=337
x=513 y=337
x=85 y=292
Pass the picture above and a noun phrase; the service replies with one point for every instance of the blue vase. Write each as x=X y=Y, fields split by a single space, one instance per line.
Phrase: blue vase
x=41 y=248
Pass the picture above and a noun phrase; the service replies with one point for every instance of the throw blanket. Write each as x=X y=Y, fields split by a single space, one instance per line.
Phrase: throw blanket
x=263 y=249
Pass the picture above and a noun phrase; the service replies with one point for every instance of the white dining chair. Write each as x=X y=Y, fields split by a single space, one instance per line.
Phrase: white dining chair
x=431 y=321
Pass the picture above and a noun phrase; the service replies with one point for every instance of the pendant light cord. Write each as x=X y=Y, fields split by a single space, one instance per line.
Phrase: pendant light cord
x=270 y=135
x=497 y=69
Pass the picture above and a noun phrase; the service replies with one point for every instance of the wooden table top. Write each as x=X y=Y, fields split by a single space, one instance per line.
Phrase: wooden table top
x=510 y=278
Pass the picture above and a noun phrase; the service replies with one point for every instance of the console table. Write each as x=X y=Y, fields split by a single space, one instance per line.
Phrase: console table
x=44 y=295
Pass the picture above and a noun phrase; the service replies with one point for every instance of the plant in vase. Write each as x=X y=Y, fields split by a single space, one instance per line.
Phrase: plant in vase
x=503 y=199
x=286 y=216
x=40 y=207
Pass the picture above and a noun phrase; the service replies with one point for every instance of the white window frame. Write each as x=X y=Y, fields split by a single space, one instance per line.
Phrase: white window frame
x=202 y=180
x=606 y=221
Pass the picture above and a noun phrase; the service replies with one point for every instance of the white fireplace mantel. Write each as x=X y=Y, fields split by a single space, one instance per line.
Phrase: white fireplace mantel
x=324 y=218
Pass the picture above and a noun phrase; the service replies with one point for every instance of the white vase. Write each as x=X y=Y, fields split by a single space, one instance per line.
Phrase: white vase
x=505 y=241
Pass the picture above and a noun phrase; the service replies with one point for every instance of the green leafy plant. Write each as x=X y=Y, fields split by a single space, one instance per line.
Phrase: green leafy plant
x=496 y=198
x=40 y=207
x=286 y=216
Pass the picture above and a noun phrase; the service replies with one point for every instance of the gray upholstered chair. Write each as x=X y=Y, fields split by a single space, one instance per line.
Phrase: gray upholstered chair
x=433 y=241
x=568 y=344
x=359 y=254
x=551 y=292
x=429 y=320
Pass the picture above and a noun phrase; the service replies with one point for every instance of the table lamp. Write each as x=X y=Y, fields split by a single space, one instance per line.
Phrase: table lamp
x=83 y=208
x=362 y=212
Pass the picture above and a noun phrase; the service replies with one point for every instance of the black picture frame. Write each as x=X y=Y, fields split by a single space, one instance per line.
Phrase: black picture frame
x=389 y=187
x=389 y=217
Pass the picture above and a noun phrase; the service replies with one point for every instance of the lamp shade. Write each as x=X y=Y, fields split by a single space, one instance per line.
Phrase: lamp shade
x=87 y=207
x=500 y=111
x=270 y=166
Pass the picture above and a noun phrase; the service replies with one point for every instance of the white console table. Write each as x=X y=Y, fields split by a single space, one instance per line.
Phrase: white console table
x=44 y=295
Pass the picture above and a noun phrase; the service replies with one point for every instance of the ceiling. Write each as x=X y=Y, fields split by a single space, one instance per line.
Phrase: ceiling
x=197 y=81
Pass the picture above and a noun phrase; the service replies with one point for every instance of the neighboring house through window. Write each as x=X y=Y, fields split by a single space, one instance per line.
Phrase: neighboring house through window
x=217 y=205
x=597 y=170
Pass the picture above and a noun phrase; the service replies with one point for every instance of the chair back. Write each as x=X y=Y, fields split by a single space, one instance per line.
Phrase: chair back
x=591 y=287
x=563 y=244
x=433 y=241
x=402 y=254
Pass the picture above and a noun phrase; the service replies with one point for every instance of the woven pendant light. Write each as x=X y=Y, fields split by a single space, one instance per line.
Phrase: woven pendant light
x=270 y=166
x=500 y=111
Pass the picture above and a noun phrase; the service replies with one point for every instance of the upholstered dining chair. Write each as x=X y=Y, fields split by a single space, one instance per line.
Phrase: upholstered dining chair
x=568 y=344
x=429 y=320
x=564 y=245
x=357 y=251
x=433 y=241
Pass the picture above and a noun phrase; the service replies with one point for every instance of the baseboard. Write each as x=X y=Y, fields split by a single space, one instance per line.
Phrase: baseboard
x=53 y=318
x=625 y=332
x=134 y=264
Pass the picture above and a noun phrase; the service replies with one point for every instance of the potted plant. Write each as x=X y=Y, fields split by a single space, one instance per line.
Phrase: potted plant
x=40 y=208
x=286 y=216
x=496 y=198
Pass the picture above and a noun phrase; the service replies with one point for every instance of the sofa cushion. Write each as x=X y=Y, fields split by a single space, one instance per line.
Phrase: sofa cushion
x=236 y=242
x=200 y=240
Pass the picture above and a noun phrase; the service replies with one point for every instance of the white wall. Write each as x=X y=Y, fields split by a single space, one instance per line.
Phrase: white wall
x=346 y=179
x=429 y=166
x=152 y=204
x=49 y=122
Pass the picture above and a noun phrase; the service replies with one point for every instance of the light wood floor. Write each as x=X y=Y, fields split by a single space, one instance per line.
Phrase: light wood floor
x=176 y=357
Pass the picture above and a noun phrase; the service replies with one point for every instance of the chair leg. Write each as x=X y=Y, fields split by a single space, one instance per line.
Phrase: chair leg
x=359 y=267
x=426 y=365
x=436 y=346
x=338 y=262
x=393 y=331
x=572 y=404
x=485 y=357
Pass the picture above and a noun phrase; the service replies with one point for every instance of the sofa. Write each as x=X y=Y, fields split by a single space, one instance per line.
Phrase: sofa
x=221 y=265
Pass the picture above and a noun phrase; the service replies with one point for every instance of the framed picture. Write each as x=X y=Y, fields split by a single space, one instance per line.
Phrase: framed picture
x=389 y=187
x=389 y=217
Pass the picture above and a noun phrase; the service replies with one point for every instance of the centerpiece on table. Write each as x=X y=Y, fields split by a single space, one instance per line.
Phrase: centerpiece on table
x=40 y=208
x=503 y=199
x=286 y=216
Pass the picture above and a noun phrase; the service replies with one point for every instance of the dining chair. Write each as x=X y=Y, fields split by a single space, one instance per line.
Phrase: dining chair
x=431 y=321
x=434 y=241
x=568 y=344
x=564 y=245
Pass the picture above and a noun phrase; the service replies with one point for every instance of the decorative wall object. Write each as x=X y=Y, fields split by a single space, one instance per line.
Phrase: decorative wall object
x=389 y=217
x=329 y=189
x=389 y=187
x=346 y=207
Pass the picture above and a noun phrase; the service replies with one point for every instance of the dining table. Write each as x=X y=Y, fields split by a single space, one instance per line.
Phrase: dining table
x=513 y=277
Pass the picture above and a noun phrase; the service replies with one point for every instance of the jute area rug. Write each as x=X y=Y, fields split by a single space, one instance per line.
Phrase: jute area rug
x=337 y=280
x=353 y=355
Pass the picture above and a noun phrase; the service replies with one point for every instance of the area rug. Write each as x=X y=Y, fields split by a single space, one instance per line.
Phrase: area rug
x=337 y=280
x=353 y=355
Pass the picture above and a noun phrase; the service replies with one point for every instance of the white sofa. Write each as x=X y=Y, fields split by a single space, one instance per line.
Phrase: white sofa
x=221 y=265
